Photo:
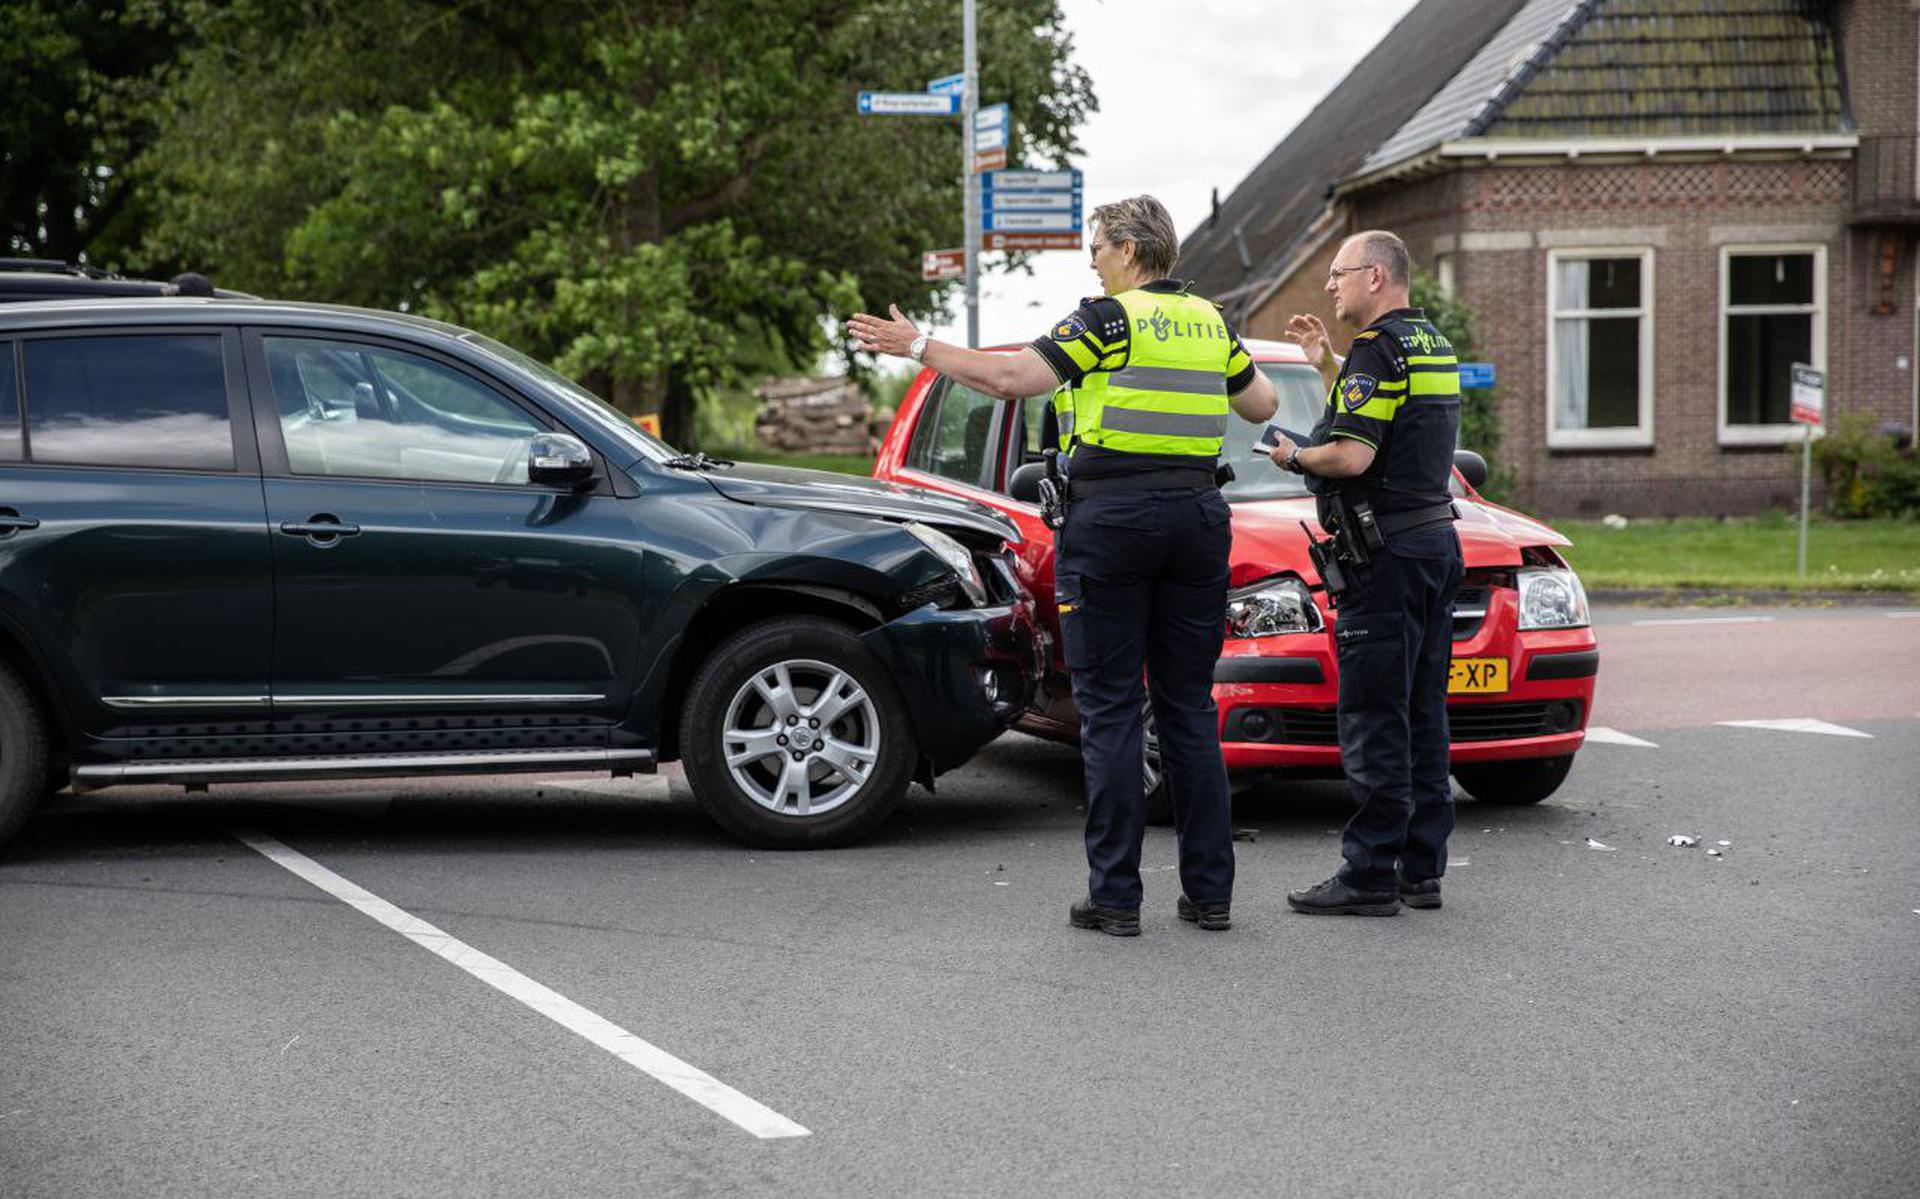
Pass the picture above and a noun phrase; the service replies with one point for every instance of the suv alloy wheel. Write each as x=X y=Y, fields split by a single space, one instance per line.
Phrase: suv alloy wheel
x=793 y=735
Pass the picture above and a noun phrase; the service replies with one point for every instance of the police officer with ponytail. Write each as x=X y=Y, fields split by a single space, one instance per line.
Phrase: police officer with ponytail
x=1143 y=377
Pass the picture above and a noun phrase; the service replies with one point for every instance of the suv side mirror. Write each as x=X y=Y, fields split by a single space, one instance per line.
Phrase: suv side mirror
x=1025 y=483
x=559 y=460
x=1472 y=468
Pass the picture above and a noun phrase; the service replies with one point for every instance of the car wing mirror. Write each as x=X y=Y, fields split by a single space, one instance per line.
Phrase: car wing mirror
x=559 y=460
x=1472 y=468
x=1025 y=483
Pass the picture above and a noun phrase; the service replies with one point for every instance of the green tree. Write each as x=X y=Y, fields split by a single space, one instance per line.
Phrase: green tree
x=75 y=83
x=641 y=191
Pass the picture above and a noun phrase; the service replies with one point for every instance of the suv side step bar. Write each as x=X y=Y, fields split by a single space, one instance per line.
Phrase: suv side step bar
x=362 y=766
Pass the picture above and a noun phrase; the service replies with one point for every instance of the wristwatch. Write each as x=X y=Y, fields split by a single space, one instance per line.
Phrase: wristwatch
x=1293 y=461
x=918 y=347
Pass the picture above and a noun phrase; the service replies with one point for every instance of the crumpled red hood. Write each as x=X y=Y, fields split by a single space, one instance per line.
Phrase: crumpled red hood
x=1268 y=540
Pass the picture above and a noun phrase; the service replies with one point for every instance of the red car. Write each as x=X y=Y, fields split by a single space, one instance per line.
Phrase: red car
x=1524 y=656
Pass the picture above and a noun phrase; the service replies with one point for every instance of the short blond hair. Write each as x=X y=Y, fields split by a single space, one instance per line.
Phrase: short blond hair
x=1143 y=221
x=1386 y=251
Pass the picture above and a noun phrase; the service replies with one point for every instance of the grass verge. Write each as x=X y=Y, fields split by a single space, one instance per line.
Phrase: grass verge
x=845 y=464
x=1756 y=554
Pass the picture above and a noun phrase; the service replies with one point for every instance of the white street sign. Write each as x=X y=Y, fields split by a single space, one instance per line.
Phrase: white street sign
x=1054 y=201
x=915 y=104
x=1809 y=394
x=1031 y=180
x=948 y=85
x=1037 y=222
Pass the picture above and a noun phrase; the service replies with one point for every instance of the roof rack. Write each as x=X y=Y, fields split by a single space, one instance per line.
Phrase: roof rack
x=53 y=266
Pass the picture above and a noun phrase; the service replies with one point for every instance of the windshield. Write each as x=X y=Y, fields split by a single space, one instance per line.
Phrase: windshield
x=1302 y=396
x=602 y=413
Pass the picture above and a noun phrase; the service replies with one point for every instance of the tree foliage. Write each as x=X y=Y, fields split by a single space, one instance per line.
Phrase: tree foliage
x=646 y=192
x=75 y=81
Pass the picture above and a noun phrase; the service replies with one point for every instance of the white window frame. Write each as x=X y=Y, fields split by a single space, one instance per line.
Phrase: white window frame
x=1780 y=434
x=1640 y=434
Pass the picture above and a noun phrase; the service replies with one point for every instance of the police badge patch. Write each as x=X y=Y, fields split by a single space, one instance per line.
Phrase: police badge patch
x=1355 y=390
x=1069 y=329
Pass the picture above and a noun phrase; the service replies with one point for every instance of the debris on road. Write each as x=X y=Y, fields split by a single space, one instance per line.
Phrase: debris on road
x=1592 y=844
x=1724 y=844
x=1246 y=834
x=1714 y=853
x=1682 y=841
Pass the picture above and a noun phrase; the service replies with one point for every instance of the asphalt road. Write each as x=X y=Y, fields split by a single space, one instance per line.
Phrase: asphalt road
x=1594 y=1012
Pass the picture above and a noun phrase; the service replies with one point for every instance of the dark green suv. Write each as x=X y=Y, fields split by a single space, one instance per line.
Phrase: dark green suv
x=243 y=540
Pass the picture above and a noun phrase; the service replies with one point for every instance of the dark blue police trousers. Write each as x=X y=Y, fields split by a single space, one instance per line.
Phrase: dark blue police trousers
x=1141 y=580
x=1394 y=633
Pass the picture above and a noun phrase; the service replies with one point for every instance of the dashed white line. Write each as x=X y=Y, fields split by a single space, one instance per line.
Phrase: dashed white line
x=1704 y=620
x=1902 y=615
x=1598 y=735
x=1797 y=724
x=695 y=1084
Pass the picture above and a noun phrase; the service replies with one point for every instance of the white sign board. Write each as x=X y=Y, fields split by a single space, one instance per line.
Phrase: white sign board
x=947 y=85
x=1809 y=397
x=907 y=104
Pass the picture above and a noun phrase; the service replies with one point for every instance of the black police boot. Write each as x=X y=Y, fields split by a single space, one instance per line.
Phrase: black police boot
x=1422 y=894
x=1115 y=922
x=1214 y=917
x=1335 y=898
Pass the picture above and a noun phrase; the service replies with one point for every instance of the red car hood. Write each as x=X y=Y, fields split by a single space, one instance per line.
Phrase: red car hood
x=1268 y=540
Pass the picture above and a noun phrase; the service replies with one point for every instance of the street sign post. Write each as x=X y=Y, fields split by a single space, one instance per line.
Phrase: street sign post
x=1807 y=404
x=907 y=104
x=990 y=125
x=943 y=264
x=1476 y=376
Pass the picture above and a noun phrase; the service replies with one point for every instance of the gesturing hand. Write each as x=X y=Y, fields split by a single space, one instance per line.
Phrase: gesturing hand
x=1311 y=335
x=879 y=336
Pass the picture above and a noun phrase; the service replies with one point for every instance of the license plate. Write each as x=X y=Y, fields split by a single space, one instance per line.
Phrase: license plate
x=1477 y=676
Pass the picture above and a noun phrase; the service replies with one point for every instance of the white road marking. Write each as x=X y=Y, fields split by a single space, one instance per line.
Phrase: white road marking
x=1705 y=620
x=1903 y=615
x=1797 y=724
x=695 y=1084
x=1599 y=735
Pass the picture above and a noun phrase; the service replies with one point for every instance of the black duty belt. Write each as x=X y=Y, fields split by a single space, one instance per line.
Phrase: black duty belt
x=1392 y=524
x=1146 y=480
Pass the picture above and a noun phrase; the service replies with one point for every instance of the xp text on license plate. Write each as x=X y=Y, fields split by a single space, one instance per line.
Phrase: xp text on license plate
x=1477 y=676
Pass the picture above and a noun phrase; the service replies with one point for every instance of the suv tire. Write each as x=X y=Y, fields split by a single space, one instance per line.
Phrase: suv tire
x=1154 y=783
x=23 y=753
x=1526 y=781
x=794 y=735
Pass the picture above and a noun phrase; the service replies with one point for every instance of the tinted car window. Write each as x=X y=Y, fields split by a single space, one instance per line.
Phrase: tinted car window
x=9 y=406
x=959 y=446
x=146 y=400
x=363 y=412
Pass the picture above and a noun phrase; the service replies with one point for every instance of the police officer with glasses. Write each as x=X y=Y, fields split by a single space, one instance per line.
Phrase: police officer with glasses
x=1143 y=377
x=1380 y=460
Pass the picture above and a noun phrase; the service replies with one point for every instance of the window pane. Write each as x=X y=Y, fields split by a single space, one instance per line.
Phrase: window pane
x=1581 y=283
x=9 y=406
x=1760 y=352
x=129 y=401
x=356 y=411
x=960 y=438
x=1596 y=382
x=1770 y=279
x=1302 y=396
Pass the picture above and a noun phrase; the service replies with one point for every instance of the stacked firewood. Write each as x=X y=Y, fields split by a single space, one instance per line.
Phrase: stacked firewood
x=814 y=416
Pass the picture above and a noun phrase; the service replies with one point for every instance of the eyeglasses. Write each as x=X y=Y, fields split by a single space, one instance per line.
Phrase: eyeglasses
x=1334 y=272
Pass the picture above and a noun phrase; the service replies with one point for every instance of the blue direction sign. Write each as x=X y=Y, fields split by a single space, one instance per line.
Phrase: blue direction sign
x=1031 y=201
x=948 y=85
x=990 y=127
x=1476 y=374
x=1026 y=221
x=908 y=104
x=1032 y=181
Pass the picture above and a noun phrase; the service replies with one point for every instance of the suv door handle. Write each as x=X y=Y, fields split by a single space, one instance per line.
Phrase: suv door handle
x=322 y=528
x=12 y=522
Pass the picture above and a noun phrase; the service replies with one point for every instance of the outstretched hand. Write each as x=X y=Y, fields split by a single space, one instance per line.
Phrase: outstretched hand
x=880 y=336
x=1310 y=333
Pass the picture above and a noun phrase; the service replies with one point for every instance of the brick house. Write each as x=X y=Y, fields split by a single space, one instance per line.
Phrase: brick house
x=1653 y=207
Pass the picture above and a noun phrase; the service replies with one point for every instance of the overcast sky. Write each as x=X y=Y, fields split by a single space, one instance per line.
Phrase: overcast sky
x=1193 y=94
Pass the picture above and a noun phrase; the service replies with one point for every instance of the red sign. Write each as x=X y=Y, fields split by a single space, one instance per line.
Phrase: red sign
x=943 y=264
x=1030 y=241
x=990 y=160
